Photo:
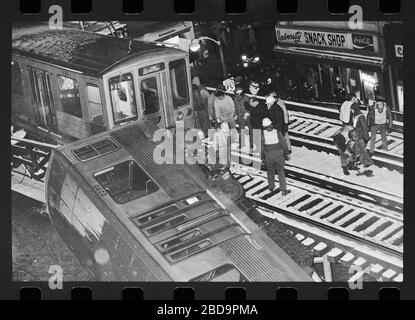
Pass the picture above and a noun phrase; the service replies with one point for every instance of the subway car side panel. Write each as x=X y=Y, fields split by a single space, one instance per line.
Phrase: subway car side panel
x=92 y=231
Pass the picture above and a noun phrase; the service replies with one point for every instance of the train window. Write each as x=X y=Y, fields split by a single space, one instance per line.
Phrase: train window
x=167 y=224
x=226 y=272
x=86 y=218
x=179 y=83
x=69 y=96
x=17 y=87
x=190 y=250
x=95 y=149
x=149 y=95
x=94 y=104
x=181 y=239
x=154 y=215
x=125 y=182
x=124 y=107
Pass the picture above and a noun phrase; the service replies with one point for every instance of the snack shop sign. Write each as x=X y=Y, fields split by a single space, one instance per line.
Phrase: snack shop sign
x=338 y=40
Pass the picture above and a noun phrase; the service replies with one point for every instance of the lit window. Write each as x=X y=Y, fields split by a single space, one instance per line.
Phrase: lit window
x=69 y=96
x=124 y=107
x=179 y=84
x=94 y=104
x=95 y=149
x=150 y=95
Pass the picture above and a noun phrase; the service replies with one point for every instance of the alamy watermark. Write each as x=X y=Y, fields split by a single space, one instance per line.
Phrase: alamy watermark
x=192 y=147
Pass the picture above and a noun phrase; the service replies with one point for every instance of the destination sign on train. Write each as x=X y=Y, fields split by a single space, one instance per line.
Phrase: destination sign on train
x=150 y=69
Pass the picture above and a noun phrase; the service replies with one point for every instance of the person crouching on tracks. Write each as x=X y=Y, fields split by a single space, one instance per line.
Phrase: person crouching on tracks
x=362 y=135
x=341 y=139
x=275 y=152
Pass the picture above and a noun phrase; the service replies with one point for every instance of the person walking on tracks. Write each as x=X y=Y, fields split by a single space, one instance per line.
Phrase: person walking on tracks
x=379 y=118
x=275 y=152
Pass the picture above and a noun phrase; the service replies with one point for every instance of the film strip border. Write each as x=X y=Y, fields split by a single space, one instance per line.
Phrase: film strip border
x=297 y=9
x=188 y=293
x=209 y=10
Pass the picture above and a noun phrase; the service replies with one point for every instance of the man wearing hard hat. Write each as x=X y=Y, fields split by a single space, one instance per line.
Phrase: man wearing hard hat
x=275 y=152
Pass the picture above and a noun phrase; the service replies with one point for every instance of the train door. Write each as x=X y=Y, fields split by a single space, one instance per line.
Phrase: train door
x=153 y=95
x=44 y=108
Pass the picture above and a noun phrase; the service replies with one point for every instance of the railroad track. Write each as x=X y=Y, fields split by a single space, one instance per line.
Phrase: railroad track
x=315 y=132
x=370 y=224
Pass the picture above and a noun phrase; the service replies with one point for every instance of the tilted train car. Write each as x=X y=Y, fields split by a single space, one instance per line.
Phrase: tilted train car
x=128 y=218
x=69 y=84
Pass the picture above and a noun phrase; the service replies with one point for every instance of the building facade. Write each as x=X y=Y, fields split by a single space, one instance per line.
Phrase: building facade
x=328 y=60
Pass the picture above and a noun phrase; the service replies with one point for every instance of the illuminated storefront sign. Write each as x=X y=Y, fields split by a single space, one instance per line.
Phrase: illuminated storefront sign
x=340 y=40
x=362 y=42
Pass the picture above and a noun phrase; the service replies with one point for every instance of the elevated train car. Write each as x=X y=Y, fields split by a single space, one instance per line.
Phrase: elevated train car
x=74 y=83
x=69 y=84
x=127 y=218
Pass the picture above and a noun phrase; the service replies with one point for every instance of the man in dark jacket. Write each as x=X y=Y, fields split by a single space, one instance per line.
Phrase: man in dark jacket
x=257 y=112
x=200 y=100
x=276 y=114
x=275 y=152
x=362 y=135
x=241 y=102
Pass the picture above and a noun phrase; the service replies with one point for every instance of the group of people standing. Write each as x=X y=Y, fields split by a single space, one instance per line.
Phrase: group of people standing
x=351 y=140
x=252 y=115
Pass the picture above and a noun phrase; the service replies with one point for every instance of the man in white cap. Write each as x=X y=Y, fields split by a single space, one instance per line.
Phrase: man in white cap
x=275 y=152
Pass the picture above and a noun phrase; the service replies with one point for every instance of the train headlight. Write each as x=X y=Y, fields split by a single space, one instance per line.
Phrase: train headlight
x=180 y=116
x=189 y=112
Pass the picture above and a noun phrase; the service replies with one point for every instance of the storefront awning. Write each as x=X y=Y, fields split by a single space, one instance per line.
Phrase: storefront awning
x=335 y=56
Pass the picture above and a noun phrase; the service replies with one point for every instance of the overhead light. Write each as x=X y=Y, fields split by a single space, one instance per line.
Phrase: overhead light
x=245 y=64
x=256 y=59
x=244 y=58
x=194 y=45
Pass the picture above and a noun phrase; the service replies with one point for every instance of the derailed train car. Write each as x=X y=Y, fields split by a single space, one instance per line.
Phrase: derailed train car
x=127 y=218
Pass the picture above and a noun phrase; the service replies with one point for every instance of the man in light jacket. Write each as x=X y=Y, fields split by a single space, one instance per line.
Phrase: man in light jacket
x=224 y=108
x=379 y=118
x=275 y=152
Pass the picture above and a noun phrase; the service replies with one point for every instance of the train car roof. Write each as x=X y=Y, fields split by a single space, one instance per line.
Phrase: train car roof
x=88 y=52
x=183 y=192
